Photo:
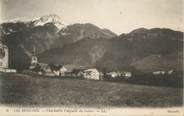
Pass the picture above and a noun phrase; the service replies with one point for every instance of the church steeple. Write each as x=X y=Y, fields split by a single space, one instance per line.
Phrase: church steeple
x=34 y=59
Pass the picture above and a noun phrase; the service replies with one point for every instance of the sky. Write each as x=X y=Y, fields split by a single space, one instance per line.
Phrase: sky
x=120 y=16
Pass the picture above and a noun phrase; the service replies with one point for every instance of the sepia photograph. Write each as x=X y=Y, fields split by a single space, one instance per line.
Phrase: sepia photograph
x=91 y=57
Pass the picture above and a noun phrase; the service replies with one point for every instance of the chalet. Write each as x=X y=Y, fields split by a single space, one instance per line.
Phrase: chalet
x=92 y=74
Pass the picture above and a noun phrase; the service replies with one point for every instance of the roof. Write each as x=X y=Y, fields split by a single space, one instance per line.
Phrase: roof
x=92 y=69
x=71 y=67
x=43 y=64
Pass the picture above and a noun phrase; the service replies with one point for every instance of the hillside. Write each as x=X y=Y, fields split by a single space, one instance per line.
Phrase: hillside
x=142 y=49
x=88 y=45
x=45 y=33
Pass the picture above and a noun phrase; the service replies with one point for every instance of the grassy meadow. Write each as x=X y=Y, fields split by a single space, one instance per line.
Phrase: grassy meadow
x=26 y=90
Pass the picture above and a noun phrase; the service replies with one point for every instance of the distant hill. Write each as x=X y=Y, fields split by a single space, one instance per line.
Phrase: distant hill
x=141 y=49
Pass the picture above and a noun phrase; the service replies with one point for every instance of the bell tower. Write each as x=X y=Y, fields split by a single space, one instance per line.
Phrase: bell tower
x=34 y=59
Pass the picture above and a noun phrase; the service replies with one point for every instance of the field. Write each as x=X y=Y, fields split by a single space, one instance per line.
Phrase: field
x=25 y=90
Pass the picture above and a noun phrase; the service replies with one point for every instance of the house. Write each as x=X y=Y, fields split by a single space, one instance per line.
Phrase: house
x=126 y=74
x=119 y=74
x=62 y=71
x=48 y=69
x=77 y=72
x=68 y=74
x=92 y=74
x=58 y=70
x=3 y=56
x=159 y=72
x=7 y=70
x=4 y=59
x=113 y=74
x=74 y=70
x=45 y=68
x=162 y=72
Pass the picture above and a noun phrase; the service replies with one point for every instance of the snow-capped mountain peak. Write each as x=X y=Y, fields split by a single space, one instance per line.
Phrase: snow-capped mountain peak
x=52 y=18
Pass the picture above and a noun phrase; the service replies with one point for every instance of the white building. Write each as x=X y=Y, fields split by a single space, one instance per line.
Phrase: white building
x=169 y=72
x=91 y=74
x=62 y=70
x=3 y=56
x=59 y=70
x=4 y=59
x=127 y=74
x=113 y=74
x=119 y=74
x=159 y=72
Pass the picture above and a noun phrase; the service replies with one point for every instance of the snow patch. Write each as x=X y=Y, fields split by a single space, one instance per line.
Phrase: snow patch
x=55 y=19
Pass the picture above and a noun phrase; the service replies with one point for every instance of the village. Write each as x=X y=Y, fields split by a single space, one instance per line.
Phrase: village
x=59 y=70
x=66 y=84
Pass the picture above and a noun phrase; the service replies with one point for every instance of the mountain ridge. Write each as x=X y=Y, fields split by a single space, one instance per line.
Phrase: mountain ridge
x=130 y=53
x=88 y=45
